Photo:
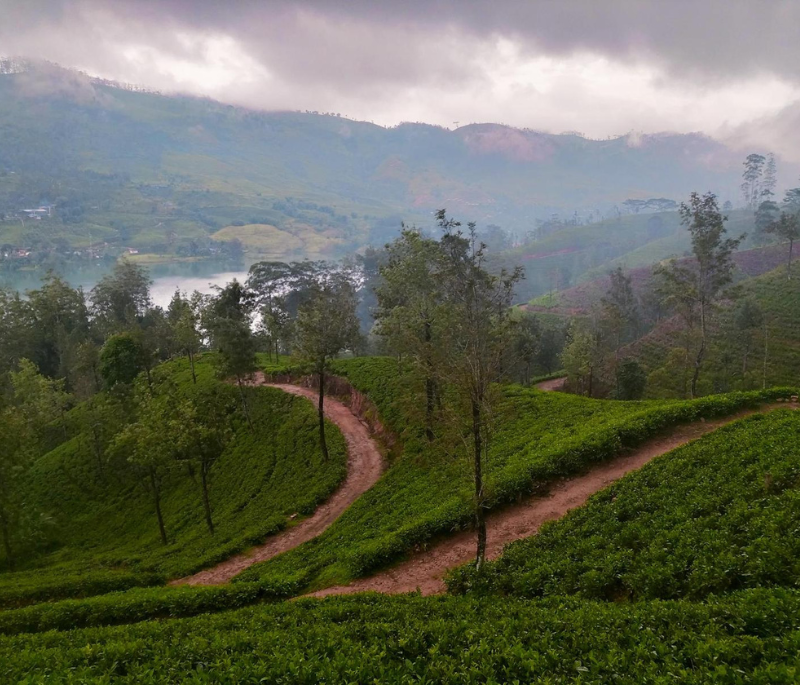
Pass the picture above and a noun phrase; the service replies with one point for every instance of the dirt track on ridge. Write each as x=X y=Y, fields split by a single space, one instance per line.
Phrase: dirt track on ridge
x=364 y=467
x=552 y=384
x=425 y=570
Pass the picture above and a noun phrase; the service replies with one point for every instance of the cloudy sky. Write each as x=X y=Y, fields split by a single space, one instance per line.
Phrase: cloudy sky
x=730 y=68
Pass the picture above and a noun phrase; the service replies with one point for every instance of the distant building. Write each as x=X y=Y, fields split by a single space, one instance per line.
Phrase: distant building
x=39 y=212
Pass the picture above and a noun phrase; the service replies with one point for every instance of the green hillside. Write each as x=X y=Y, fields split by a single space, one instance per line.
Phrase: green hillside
x=540 y=437
x=778 y=298
x=698 y=526
x=101 y=530
x=181 y=176
x=714 y=516
x=748 y=637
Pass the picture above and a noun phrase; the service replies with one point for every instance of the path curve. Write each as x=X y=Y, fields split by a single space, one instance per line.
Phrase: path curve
x=364 y=467
x=425 y=570
x=553 y=384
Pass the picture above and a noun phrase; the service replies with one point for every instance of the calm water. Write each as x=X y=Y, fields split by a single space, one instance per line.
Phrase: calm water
x=202 y=276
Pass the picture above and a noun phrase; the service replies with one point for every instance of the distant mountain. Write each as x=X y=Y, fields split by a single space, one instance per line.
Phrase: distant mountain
x=180 y=175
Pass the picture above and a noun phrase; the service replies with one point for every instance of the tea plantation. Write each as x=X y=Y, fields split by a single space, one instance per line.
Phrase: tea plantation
x=102 y=532
x=698 y=552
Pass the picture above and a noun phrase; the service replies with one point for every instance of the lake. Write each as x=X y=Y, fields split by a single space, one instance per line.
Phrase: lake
x=202 y=276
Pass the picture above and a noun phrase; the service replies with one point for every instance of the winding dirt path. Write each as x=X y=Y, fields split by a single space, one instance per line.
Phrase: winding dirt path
x=364 y=467
x=426 y=568
x=553 y=384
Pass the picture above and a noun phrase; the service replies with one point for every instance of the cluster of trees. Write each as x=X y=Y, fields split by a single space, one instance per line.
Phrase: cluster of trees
x=442 y=311
x=708 y=311
x=59 y=345
x=592 y=354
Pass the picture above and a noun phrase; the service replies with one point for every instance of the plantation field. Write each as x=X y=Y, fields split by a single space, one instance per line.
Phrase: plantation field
x=102 y=532
x=427 y=490
x=749 y=637
x=717 y=515
x=779 y=299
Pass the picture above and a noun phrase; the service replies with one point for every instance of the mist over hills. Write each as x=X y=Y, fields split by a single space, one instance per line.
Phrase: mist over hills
x=178 y=175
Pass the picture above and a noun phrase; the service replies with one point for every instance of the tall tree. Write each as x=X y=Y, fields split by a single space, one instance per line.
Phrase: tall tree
x=227 y=320
x=204 y=430
x=150 y=444
x=526 y=346
x=184 y=316
x=479 y=333
x=770 y=179
x=748 y=318
x=121 y=298
x=696 y=286
x=787 y=227
x=327 y=324
x=409 y=317
x=60 y=321
x=752 y=178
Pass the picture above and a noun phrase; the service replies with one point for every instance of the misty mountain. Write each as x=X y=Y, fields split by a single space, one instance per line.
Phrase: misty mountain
x=164 y=174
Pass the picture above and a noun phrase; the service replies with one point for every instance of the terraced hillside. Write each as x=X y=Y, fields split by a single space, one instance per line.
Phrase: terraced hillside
x=715 y=516
x=772 y=349
x=697 y=525
x=426 y=492
x=101 y=530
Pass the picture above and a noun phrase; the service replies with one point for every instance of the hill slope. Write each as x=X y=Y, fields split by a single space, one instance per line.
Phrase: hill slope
x=103 y=531
x=175 y=174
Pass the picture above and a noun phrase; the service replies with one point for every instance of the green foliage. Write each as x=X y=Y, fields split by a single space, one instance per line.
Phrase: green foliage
x=538 y=438
x=104 y=523
x=749 y=637
x=121 y=359
x=717 y=515
x=135 y=605
x=631 y=380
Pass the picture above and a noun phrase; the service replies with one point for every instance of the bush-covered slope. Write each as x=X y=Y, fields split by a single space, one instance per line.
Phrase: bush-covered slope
x=747 y=637
x=717 y=515
x=103 y=533
x=426 y=492
x=778 y=298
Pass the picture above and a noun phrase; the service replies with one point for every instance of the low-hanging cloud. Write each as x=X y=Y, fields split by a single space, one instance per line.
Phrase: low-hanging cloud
x=624 y=64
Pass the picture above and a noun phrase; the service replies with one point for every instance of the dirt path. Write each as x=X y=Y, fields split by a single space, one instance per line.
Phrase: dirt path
x=552 y=385
x=364 y=467
x=426 y=569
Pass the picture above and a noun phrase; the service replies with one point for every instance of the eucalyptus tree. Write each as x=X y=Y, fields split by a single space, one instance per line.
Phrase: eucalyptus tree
x=695 y=286
x=228 y=320
x=479 y=333
x=411 y=308
x=326 y=325
x=183 y=317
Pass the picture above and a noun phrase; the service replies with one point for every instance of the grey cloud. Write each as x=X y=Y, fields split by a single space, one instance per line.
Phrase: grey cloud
x=403 y=41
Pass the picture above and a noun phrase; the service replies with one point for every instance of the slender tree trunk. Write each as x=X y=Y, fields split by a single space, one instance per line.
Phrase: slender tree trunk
x=480 y=514
x=7 y=541
x=157 y=501
x=206 y=503
x=191 y=364
x=429 y=387
x=700 y=353
x=697 y=362
x=591 y=381
x=766 y=353
x=321 y=410
x=789 y=263
x=244 y=401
